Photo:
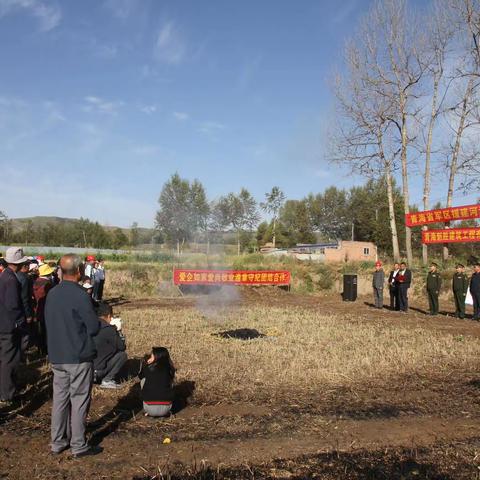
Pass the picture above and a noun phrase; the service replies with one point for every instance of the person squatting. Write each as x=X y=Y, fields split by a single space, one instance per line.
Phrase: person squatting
x=58 y=309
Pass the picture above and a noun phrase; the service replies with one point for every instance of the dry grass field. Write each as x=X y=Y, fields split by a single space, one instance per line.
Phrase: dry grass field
x=326 y=390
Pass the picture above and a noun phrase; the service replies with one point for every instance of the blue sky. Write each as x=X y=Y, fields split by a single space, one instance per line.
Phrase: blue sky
x=102 y=100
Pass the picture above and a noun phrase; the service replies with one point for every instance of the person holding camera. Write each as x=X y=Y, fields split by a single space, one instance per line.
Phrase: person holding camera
x=110 y=345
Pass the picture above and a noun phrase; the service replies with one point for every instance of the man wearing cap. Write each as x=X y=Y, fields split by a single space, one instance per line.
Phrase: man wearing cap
x=378 y=284
x=12 y=317
x=434 y=283
x=460 y=288
x=71 y=325
x=90 y=267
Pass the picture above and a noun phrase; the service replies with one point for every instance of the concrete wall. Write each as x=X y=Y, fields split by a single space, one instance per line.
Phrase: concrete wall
x=351 y=251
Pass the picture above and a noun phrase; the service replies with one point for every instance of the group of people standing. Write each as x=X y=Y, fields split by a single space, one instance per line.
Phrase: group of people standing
x=400 y=279
x=83 y=340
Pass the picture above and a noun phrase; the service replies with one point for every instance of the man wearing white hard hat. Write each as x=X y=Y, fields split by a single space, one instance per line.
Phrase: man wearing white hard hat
x=12 y=318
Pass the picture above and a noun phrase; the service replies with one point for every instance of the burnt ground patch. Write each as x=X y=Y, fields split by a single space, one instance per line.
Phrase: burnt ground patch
x=240 y=334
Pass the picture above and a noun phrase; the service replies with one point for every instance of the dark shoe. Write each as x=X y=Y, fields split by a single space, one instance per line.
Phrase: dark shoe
x=58 y=452
x=93 y=450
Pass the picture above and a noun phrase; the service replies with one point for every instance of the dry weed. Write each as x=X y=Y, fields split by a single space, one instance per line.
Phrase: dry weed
x=304 y=351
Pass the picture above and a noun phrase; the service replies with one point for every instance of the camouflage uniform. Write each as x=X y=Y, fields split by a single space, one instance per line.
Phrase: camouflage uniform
x=434 y=282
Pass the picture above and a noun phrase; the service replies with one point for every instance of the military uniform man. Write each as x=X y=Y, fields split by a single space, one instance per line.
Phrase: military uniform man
x=434 y=282
x=460 y=287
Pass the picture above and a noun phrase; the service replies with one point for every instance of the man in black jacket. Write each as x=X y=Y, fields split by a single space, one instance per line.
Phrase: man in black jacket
x=71 y=323
x=392 y=287
x=12 y=317
x=403 y=281
x=110 y=344
x=475 y=291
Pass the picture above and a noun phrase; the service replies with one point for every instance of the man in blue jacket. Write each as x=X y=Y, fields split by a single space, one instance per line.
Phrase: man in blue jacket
x=71 y=323
x=12 y=317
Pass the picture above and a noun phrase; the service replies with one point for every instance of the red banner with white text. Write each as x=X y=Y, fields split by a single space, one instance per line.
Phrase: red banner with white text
x=451 y=235
x=442 y=215
x=230 y=277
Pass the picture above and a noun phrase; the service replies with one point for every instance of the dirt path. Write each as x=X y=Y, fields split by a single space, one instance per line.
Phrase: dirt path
x=139 y=449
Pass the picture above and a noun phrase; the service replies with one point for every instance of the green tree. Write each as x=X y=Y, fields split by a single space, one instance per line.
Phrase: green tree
x=119 y=239
x=174 y=217
x=272 y=205
x=5 y=227
x=296 y=222
x=134 y=235
x=236 y=212
x=200 y=210
x=330 y=213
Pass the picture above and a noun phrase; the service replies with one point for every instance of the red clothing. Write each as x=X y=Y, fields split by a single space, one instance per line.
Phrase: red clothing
x=41 y=288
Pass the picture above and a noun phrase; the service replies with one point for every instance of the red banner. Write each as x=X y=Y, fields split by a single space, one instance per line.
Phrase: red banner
x=442 y=215
x=230 y=277
x=451 y=235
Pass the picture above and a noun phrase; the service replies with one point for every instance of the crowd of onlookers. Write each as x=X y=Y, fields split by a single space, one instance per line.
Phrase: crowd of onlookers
x=466 y=290
x=57 y=308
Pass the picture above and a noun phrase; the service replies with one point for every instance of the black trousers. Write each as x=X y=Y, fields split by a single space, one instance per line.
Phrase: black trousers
x=459 y=303
x=9 y=360
x=393 y=298
x=433 y=302
x=476 y=304
x=113 y=367
x=403 y=297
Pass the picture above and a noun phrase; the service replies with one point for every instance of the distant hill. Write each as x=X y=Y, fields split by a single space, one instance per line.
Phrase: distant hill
x=18 y=224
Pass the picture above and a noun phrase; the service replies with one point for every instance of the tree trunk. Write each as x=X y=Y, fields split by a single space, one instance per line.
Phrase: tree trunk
x=455 y=154
x=238 y=242
x=274 y=225
x=391 y=202
x=391 y=213
x=428 y=151
x=178 y=247
x=406 y=197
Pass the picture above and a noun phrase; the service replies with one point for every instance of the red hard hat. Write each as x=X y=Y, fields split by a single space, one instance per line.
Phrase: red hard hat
x=41 y=258
x=378 y=263
x=90 y=258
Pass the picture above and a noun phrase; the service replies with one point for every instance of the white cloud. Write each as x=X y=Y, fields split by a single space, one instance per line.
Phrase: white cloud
x=211 y=128
x=121 y=8
x=48 y=15
x=181 y=116
x=148 y=109
x=170 y=46
x=145 y=150
x=99 y=105
x=104 y=51
x=55 y=115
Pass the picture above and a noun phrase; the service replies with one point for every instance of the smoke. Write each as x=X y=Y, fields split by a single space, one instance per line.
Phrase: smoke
x=215 y=304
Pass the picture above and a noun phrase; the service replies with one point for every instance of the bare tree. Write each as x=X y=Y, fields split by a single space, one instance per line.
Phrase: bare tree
x=364 y=110
x=400 y=67
x=440 y=34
